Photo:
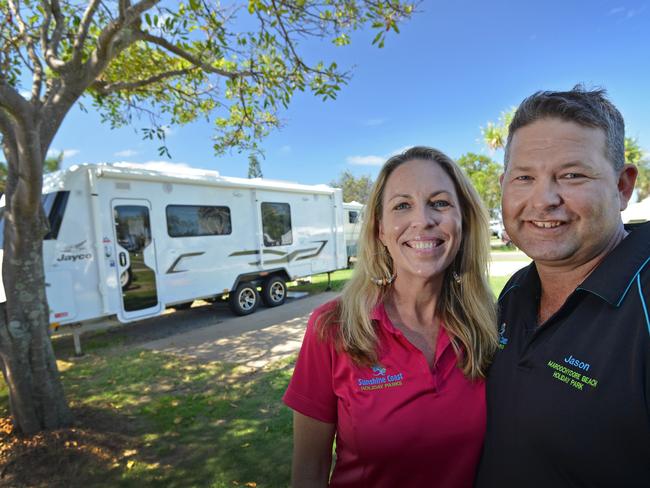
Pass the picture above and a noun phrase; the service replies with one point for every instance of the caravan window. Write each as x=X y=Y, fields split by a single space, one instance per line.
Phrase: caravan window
x=276 y=224
x=353 y=216
x=54 y=205
x=194 y=220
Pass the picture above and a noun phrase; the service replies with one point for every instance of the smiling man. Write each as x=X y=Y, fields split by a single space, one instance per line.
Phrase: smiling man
x=569 y=390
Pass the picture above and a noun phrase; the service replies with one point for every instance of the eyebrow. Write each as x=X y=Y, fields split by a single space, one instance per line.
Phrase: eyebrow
x=569 y=164
x=406 y=195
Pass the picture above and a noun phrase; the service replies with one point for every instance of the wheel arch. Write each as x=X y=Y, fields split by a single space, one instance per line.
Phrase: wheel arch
x=259 y=276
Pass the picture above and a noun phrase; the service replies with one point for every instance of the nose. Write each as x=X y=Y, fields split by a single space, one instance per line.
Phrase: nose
x=545 y=194
x=425 y=216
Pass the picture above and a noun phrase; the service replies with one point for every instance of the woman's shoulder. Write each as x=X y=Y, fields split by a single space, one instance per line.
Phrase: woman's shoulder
x=324 y=320
x=327 y=308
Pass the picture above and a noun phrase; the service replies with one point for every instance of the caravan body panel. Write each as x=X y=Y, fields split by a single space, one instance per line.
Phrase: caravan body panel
x=133 y=241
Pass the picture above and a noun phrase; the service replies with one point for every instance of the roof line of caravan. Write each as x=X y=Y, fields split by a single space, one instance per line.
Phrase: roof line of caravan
x=202 y=179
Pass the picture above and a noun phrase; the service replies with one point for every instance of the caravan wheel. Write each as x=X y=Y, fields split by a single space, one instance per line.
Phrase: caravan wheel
x=274 y=291
x=125 y=278
x=244 y=299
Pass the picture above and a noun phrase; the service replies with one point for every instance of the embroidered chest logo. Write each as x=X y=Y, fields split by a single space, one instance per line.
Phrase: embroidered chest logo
x=503 y=340
x=576 y=375
x=380 y=380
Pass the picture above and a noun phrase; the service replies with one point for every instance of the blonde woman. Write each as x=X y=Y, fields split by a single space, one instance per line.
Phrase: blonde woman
x=394 y=368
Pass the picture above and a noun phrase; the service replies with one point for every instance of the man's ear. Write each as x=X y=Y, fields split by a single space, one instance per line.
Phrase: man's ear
x=626 y=180
x=501 y=180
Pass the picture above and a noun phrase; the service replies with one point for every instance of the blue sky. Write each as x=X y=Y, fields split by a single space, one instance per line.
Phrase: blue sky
x=455 y=66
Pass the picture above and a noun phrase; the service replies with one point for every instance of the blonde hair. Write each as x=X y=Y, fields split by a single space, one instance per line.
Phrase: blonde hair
x=466 y=308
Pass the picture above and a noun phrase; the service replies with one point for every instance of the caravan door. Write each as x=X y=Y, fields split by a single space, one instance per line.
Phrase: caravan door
x=135 y=250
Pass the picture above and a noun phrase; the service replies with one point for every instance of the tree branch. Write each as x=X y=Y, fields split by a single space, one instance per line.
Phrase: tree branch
x=165 y=44
x=106 y=41
x=45 y=27
x=108 y=88
x=82 y=31
x=52 y=51
x=13 y=103
x=37 y=82
x=7 y=130
x=123 y=6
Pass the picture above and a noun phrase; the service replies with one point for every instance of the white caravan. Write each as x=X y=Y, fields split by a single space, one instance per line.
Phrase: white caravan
x=128 y=241
x=352 y=227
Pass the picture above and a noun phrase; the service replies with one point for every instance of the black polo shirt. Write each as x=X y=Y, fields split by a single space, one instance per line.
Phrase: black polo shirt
x=569 y=401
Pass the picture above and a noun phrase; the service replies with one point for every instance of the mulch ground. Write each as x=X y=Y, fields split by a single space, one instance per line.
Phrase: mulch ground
x=82 y=455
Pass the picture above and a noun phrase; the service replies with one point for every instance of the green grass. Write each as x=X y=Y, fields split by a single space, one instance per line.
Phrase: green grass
x=497 y=283
x=204 y=425
x=319 y=282
x=339 y=278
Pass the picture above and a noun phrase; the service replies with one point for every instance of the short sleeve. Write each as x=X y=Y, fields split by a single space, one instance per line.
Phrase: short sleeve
x=310 y=390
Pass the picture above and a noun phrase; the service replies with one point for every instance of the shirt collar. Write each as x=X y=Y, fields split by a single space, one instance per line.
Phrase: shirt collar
x=379 y=314
x=526 y=279
x=613 y=277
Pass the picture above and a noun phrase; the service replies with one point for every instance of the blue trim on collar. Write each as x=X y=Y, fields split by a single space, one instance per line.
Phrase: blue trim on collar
x=638 y=272
x=504 y=293
x=645 y=308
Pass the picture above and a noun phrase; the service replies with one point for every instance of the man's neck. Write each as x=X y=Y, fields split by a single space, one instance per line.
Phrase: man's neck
x=558 y=282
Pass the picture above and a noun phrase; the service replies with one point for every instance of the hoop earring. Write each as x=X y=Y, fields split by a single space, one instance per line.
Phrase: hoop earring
x=383 y=281
x=456 y=277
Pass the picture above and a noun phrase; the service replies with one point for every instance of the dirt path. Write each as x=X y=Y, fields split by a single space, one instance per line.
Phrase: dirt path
x=253 y=340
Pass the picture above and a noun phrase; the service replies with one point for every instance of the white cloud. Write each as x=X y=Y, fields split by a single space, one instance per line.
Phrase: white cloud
x=67 y=153
x=127 y=153
x=374 y=160
x=626 y=13
x=365 y=160
x=374 y=122
x=25 y=94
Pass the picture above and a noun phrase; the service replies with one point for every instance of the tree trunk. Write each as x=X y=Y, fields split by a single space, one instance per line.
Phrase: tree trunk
x=27 y=359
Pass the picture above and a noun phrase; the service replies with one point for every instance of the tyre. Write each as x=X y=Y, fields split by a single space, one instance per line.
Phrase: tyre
x=126 y=278
x=244 y=300
x=274 y=291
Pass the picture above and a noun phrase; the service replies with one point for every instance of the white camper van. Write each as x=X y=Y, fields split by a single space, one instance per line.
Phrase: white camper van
x=128 y=241
x=352 y=227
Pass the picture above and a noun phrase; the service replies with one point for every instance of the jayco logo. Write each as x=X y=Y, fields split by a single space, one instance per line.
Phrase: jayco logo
x=381 y=380
x=74 y=253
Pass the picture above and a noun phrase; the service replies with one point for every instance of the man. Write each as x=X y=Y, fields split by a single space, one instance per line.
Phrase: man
x=569 y=389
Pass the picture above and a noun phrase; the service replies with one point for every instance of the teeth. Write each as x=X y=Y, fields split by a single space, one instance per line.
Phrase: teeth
x=422 y=244
x=546 y=225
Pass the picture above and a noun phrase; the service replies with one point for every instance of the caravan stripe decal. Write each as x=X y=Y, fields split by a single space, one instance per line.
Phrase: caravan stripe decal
x=172 y=269
x=315 y=254
x=286 y=257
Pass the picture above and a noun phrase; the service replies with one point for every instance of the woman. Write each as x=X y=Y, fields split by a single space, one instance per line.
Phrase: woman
x=395 y=367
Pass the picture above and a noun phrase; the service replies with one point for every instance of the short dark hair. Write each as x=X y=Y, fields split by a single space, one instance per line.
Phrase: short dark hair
x=589 y=108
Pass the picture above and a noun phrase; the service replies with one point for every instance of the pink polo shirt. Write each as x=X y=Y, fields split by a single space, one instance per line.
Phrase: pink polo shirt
x=399 y=423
